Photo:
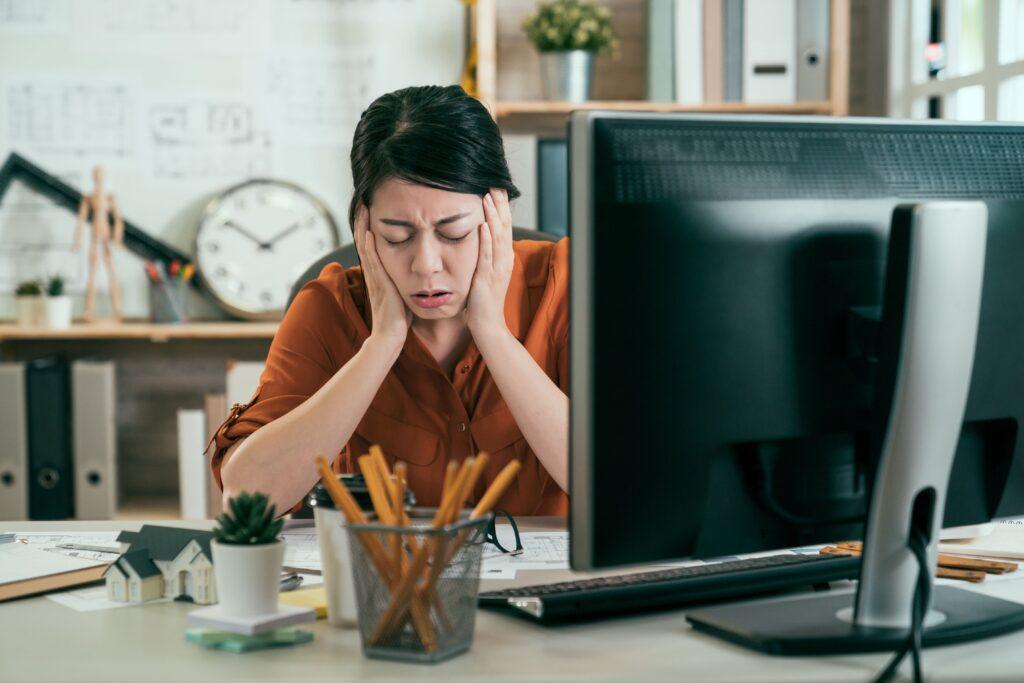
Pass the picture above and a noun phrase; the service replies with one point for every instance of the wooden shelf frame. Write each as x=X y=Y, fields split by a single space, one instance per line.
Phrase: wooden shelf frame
x=143 y=330
x=487 y=79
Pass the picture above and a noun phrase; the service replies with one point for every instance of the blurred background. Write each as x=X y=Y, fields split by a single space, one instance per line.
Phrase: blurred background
x=190 y=104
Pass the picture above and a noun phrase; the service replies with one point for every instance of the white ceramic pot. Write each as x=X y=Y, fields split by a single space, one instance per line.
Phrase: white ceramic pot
x=28 y=309
x=248 y=577
x=56 y=311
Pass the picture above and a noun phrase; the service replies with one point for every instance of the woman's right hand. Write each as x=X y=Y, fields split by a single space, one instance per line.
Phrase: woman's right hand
x=391 y=317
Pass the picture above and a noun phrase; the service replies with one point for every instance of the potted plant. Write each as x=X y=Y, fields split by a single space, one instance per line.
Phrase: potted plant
x=56 y=305
x=27 y=297
x=568 y=33
x=247 y=556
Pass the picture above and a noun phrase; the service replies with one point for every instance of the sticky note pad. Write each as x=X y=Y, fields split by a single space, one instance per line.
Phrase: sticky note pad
x=313 y=598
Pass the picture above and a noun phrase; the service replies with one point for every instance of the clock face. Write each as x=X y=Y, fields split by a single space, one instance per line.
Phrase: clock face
x=254 y=242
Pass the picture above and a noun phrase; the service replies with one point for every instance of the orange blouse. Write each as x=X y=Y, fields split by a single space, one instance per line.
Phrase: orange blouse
x=420 y=415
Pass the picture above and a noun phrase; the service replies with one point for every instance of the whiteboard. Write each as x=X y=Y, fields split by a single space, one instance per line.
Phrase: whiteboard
x=180 y=99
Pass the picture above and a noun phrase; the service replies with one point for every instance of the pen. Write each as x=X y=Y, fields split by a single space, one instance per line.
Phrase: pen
x=93 y=548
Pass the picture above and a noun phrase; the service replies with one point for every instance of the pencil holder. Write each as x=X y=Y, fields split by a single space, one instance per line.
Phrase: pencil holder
x=416 y=586
x=167 y=301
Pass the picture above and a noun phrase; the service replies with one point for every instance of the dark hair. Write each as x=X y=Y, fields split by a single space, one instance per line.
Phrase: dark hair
x=430 y=135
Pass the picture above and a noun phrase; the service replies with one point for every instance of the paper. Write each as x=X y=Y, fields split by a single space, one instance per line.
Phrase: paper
x=20 y=561
x=48 y=541
x=301 y=550
x=541 y=550
x=94 y=598
x=1006 y=540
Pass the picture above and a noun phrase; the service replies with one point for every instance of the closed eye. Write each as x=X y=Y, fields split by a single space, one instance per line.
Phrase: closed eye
x=453 y=239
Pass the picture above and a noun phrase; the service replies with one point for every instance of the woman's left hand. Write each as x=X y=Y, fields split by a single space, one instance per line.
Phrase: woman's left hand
x=485 y=310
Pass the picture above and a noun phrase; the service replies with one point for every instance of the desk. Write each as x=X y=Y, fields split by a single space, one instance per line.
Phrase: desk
x=43 y=641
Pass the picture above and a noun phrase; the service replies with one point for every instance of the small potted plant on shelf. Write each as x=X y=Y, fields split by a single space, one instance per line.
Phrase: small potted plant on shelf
x=568 y=33
x=248 y=556
x=56 y=305
x=28 y=296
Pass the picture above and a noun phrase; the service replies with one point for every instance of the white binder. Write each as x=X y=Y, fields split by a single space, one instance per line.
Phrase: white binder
x=689 y=51
x=94 y=428
x=192 y=465
x=769 y=51
x=13 y=443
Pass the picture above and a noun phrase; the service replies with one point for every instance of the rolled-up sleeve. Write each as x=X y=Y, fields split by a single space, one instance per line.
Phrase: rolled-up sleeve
x=312 y=342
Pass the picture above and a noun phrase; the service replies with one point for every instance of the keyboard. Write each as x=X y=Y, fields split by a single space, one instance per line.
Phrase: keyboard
x=667 y=588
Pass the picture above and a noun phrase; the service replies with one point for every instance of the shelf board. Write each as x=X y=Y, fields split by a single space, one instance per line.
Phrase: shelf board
x=157 y=332
x=510 y=109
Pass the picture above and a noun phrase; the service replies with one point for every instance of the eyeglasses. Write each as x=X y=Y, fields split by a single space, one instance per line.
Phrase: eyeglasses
x=491 y=535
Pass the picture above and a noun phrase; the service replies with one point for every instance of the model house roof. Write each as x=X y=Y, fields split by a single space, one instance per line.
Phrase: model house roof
x=164 y=542
x=139 y=561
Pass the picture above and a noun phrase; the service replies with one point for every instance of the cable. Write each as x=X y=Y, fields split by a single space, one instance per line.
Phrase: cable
x=922 y=592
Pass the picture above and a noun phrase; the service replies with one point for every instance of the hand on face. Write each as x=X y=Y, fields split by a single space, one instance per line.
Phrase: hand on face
x=391 y=317
x=485 y=308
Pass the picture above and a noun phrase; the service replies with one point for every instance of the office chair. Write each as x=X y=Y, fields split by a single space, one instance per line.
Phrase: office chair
x=346 y=255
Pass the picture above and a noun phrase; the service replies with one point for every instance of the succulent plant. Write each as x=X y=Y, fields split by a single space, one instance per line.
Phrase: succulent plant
x=29 y=288
x=250 y=521
x=56 y=286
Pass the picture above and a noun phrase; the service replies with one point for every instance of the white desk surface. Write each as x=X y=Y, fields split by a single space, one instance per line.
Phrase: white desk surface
x=41 y=640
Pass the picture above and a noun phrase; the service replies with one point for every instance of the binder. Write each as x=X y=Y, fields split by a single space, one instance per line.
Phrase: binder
x=94 y=427
x=50 y=459
x=714 y=51
x=732 y=17
x=13 y=443
x=689 y=51
x=660 y=52
x=192 y=487
x=553 y=186
x=812 y=46
x=769 y=51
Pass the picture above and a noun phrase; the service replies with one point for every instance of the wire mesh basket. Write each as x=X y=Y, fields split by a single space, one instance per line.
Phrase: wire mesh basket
x=416 y=586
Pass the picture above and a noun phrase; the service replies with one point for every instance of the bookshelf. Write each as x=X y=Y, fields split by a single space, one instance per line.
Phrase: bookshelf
x=498 y=38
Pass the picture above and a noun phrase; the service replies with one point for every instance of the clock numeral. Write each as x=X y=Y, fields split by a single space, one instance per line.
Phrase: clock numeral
x=212 y=247
x=266 y=297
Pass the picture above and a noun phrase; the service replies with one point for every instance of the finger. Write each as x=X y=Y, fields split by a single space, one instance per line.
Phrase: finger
x=492 y=217
x=486 y=248
x=504 y=209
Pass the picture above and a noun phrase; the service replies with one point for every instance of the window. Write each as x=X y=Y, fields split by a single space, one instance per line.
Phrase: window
x=957 y=59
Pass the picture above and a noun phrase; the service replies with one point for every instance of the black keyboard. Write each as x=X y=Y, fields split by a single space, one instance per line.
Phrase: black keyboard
x=647 y=591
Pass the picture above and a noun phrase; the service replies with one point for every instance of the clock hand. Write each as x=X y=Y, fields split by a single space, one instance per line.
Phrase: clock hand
x=281 y=234
x=231 y=224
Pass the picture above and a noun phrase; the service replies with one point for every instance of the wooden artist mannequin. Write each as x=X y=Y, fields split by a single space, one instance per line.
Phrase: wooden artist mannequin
x=102 y=208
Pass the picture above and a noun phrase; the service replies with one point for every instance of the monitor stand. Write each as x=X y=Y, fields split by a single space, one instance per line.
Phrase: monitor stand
x=929 y=329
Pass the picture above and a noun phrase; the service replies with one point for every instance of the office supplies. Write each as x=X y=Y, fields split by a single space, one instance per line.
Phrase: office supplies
x=713 y=39
x=95 y=438
x=313 y=598
x=13 y=443
x=812 y=53
x=944 y=560
x=1006 y=540
x=971 y=574
x=660 y=54
x=290 y=582
x=93 y=548
x=734 y=49
x=236 y=642
x=669 y=588
x=25 y=570
x=769 y=51
x=688 y=49
x=193 y=467
x=777 y=434
x=50 y=458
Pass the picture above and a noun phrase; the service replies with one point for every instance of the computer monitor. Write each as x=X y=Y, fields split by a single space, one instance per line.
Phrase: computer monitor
x=726 y=277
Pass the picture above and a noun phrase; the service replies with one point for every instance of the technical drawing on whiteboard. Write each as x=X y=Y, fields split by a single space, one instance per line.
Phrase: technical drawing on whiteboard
x=70 y=118
x=320 y=100
x=180 y=16
x=207 y=139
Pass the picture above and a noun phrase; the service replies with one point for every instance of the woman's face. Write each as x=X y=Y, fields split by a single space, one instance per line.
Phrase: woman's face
x=428 y=243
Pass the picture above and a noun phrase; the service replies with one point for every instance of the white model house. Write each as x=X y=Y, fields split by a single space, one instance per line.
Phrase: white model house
x=163 y=562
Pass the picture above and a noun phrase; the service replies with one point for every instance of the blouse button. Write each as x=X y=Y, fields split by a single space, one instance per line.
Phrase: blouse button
x=461 y=427
x=464 y=369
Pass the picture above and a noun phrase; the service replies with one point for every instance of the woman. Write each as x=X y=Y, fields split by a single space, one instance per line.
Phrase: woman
x=448 y=340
